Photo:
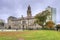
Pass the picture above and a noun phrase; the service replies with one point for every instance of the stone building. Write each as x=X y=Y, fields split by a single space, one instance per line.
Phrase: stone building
x=23 y=22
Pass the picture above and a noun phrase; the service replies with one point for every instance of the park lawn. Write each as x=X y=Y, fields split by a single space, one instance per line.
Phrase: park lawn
x=30 y=35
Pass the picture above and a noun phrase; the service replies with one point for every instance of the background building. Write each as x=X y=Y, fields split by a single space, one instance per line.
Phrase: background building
x=52 y=15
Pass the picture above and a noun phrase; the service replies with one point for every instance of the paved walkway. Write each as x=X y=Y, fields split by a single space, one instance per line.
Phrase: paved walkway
x=9 y=30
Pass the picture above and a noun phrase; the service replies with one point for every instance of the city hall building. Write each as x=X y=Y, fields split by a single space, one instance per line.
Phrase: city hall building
x=27 y=22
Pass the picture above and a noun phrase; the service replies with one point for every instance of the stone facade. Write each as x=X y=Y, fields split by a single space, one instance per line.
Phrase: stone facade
x=23 y=22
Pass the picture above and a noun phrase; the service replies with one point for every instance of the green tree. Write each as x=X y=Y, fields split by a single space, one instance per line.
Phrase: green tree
x=41 y=18
x=2 y=23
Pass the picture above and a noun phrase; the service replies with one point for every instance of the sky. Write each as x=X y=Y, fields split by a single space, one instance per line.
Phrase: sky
x=17 y=8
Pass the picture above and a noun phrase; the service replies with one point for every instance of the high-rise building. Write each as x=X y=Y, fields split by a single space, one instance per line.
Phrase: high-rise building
x=52 y=14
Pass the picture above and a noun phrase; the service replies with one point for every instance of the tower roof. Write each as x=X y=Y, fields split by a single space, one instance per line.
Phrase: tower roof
x=29 y=8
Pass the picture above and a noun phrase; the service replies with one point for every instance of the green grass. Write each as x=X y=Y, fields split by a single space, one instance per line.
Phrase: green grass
x=31 y=35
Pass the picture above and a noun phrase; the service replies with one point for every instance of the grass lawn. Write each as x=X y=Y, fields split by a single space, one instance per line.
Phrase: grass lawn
x=30 y=35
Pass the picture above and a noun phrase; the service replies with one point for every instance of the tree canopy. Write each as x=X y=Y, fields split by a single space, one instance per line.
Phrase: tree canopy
x=41 y=17
x=50 y=24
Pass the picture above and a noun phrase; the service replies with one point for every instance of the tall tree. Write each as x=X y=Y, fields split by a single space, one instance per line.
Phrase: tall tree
x=41 y=18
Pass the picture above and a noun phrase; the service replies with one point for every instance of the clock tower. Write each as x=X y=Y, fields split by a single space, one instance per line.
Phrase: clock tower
x=29 y=15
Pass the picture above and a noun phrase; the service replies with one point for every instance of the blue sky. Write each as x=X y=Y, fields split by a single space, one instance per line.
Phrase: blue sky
x=19 y=7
